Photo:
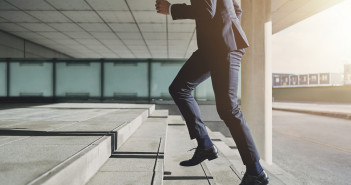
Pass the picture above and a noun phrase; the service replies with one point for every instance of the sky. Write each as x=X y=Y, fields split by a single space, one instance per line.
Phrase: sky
x=321 y=43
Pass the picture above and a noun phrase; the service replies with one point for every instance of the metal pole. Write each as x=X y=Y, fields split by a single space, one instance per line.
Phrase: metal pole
x=102 y=73
x=149 y=79
x=54 y=80
x=8 y=77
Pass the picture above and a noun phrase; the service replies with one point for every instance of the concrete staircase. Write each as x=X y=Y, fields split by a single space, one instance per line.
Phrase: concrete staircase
x=140 y=159
x=231 y=159
x=63 y=143
x=115 y=144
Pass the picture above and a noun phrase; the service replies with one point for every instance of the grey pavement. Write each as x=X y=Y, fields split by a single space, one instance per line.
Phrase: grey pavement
x=315 y=149
x=325 y=109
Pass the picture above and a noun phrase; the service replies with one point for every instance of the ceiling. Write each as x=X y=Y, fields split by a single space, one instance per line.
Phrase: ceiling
x=122 y=28
x=286 y=13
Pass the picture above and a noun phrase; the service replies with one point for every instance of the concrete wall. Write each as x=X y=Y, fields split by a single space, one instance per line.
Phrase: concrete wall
x=336 y=94
x=15 y=47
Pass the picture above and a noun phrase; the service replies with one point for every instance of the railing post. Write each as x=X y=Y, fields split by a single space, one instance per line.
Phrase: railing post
x=8 y=77
x=149 y=79
x=102 y=73
x=54 y=79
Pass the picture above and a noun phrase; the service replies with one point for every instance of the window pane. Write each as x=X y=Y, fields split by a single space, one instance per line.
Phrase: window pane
x=126 y=80
x=162 y=76
x=31 y=78
x=2 y=79
x=205 y=91
x=78 y=79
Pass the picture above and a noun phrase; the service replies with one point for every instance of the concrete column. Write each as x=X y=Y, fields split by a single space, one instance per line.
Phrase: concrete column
x=256 y=74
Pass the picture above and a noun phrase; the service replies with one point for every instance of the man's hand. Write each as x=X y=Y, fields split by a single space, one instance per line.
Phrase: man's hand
x=162 y=7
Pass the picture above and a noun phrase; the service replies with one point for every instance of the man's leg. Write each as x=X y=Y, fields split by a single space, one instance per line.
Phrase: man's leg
x=190 y=75
x=224 y=74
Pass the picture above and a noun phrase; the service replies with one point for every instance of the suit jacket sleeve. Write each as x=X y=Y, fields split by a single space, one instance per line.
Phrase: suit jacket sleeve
x=203 y=9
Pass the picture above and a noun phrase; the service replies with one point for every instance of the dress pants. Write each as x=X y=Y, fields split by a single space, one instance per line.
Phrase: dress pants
x=223 y=69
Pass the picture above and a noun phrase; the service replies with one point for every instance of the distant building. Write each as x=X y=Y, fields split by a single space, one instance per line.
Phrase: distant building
x=336 y=79
x=294 y=80
x=276 y=80
x=303 y=79
x=285 y=79
x=347 y=74
x=313 y=79
x=331 y=79
x=280 y=79
x=324 y=78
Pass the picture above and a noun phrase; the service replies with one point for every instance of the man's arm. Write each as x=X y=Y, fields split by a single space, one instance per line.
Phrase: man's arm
x=182 y=11
x=202 y=9
x=238 y=10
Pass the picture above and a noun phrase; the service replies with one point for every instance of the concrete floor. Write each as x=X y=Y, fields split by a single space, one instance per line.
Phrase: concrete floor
x=315 y=149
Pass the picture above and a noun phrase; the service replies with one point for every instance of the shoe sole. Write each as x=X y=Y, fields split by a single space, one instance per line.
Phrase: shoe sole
x=265 y=182
x=213 y=157
x=261 y=183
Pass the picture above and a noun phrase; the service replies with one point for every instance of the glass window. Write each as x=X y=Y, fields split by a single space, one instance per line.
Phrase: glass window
x=31 y=78
x=205 y=91
x=78 y=79
x=126 y=79
x=3 y=79
x=162 y=75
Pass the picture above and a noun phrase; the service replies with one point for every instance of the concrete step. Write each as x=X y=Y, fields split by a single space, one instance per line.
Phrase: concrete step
x=232 y=157
x=45 y=151
x=178 y=144
x=140 y=160
x=222 y=169
x=159 y=114
x=218 y=136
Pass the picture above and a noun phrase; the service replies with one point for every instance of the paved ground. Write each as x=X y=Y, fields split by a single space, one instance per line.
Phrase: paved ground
x=322 y=107
x=327 y=109
x=315 y=149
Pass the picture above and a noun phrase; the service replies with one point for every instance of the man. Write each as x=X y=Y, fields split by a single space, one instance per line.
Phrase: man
x=221 y=42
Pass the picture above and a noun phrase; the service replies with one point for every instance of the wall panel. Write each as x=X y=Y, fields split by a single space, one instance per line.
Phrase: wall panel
x=30 y=78
x=126 y=79
x=3 y=79
x=78 y=79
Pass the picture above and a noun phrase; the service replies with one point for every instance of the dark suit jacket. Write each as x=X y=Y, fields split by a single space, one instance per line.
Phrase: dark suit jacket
x=217 y=23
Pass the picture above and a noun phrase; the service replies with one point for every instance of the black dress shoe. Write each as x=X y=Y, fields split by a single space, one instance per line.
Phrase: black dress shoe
x=261 y=179
x=201 y=155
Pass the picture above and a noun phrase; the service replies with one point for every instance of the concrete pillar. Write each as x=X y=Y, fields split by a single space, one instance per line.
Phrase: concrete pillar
x=256 y=74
